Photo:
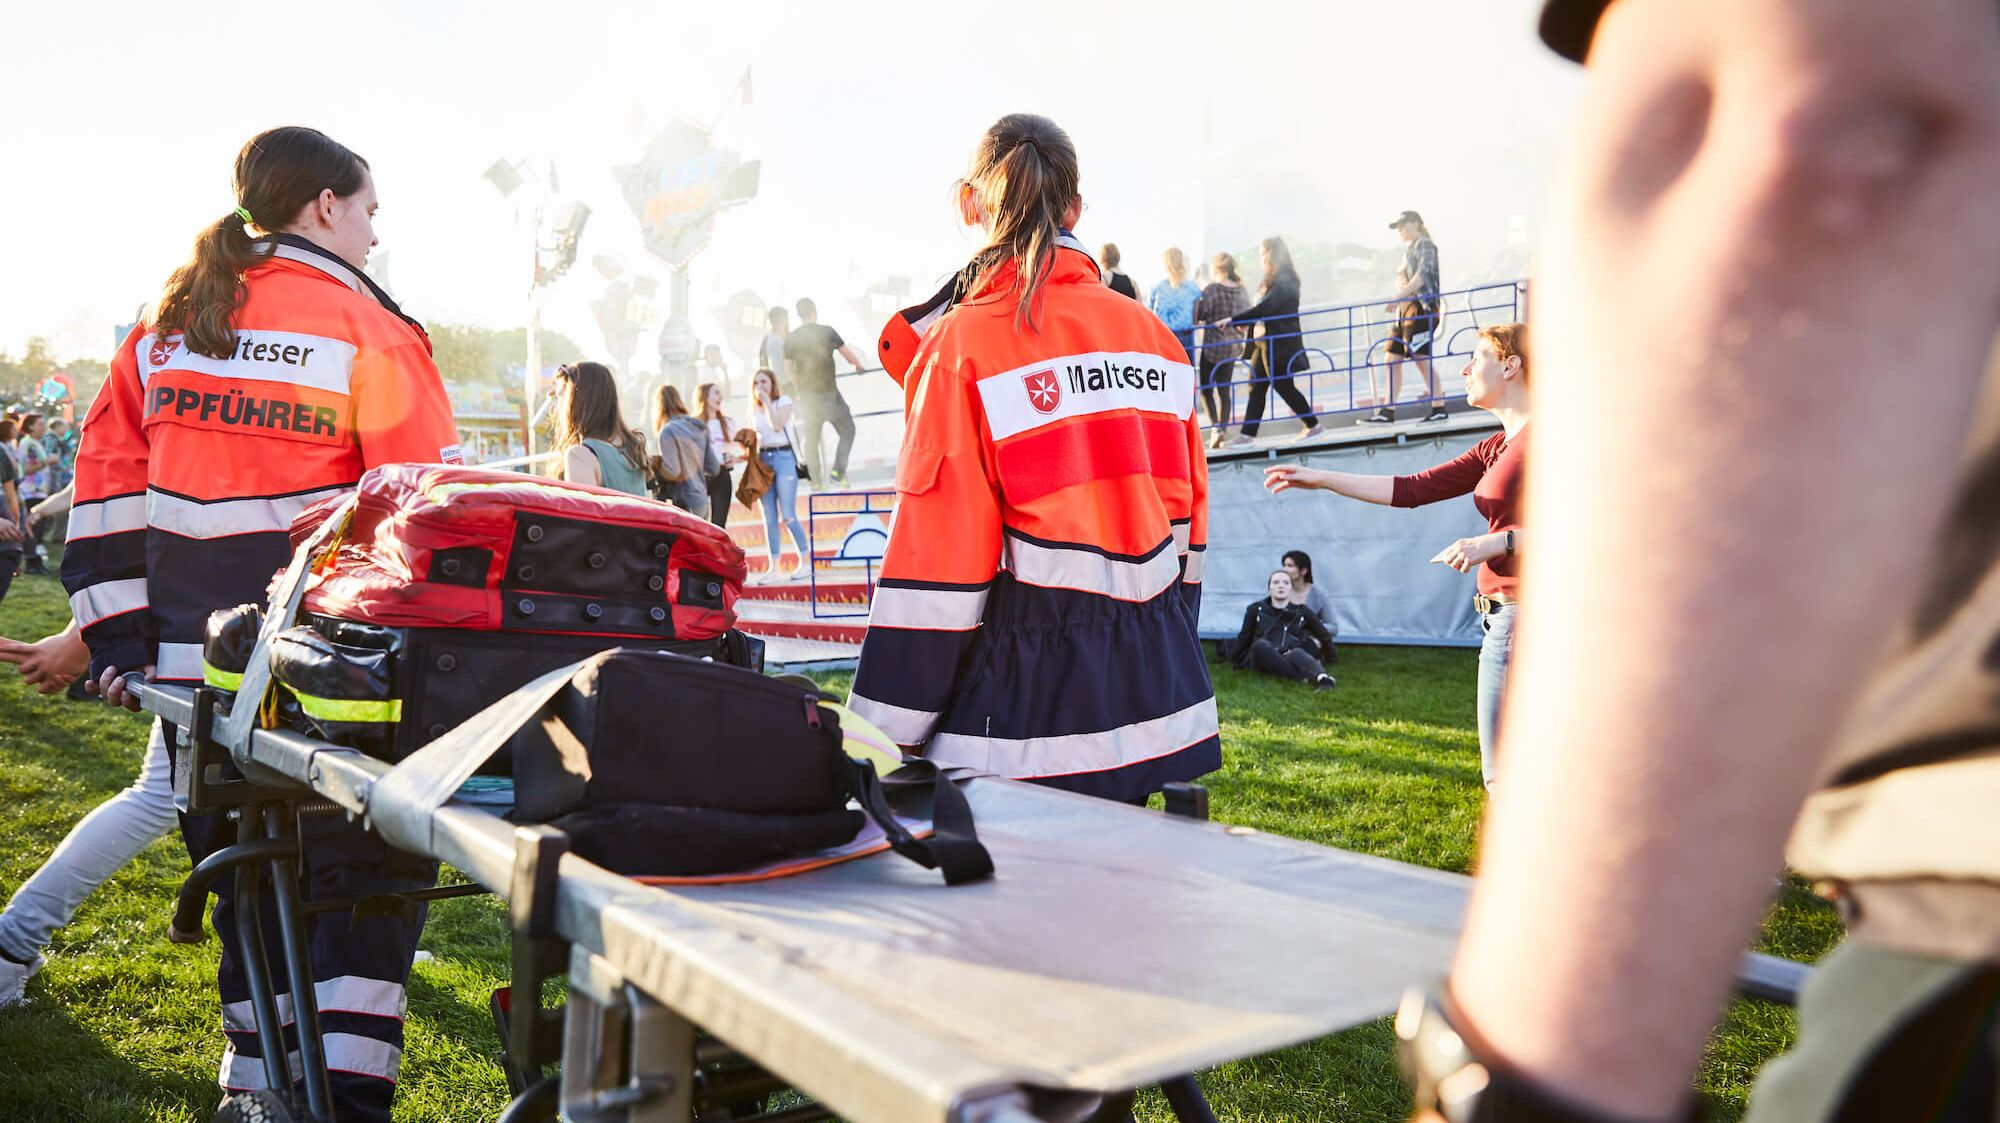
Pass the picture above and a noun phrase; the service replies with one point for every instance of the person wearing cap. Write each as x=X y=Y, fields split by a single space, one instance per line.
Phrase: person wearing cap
x=1415 y=306
x=1778 y=618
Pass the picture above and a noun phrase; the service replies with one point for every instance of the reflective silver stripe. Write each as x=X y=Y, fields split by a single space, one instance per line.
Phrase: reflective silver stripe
x=905 y=727
x=351 y=1052
x=1058 y=568
x=1192 y=575
x=345 y=1052
x=938 y=610
x=1182 y=533
x=246 y=1074
x=107 y=516
x=190 y=519
x=107 y=599
x=1071 y=753
x=348 y=994
x=286 y=357
x=339 y=271
x=178 y=661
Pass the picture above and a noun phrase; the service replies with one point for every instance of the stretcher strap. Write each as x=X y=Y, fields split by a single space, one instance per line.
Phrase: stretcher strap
x=953 y=848
x=233 y=731
x=401 y=802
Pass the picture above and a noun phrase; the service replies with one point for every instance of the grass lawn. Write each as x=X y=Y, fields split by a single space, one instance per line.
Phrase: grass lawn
x=122 y=1026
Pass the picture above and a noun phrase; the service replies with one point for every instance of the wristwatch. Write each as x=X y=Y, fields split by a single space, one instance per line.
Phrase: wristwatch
x=1452 y=1080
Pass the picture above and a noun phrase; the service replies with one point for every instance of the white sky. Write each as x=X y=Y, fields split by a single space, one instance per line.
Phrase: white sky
x=1205 y=125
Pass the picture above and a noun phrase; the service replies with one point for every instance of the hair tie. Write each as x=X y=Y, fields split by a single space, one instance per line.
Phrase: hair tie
x=244 y=214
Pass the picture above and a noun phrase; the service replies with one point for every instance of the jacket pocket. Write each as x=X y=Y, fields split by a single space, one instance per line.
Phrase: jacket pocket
x=917 y=470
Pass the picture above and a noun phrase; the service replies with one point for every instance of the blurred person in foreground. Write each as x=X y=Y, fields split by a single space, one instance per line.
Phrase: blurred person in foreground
x=1052 y=508
x=1493 y=473
x=1765 y=576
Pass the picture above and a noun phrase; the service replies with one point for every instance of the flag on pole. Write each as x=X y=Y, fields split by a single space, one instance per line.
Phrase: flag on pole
x=743 y=86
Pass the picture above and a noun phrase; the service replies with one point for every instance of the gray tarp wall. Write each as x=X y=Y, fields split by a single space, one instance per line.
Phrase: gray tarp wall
x=1373 y=561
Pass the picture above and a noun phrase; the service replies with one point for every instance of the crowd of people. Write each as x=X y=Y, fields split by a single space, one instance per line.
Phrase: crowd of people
x=37 y=457
x=1684 y=699
x=1219 y=325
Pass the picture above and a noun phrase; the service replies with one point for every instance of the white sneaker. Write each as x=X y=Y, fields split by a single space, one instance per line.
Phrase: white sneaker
x=14 y=979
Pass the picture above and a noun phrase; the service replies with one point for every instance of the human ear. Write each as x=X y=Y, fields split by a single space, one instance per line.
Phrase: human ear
x=968 y=205
x=1072 y=213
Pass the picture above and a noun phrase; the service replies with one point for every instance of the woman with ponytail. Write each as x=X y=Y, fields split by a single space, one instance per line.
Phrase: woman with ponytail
x=272 y=375
x=1035 y=614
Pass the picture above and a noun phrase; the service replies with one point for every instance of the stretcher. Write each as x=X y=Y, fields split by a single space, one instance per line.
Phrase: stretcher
x=1115 y=948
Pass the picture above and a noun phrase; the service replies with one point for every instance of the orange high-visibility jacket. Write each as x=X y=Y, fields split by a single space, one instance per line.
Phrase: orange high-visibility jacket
x=1035 y=614
x=191 y=468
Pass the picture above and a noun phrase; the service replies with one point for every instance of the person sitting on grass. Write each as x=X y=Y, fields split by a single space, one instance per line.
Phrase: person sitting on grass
x=1282 y=637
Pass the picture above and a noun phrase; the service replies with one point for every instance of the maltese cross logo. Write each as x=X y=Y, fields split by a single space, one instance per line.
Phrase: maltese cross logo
x=162 y=351
x=1044 y=392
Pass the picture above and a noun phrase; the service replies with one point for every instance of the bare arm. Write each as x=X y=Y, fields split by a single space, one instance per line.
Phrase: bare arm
x=853 y=359
x=1368 y=489
x=55 y=504
x=1755 y=183
x=580 y=466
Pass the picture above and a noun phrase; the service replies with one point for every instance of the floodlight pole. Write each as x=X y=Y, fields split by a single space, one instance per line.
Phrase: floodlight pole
x=531 y=374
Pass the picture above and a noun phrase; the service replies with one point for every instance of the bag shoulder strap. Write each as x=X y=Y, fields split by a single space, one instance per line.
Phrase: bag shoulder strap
x=953 y=848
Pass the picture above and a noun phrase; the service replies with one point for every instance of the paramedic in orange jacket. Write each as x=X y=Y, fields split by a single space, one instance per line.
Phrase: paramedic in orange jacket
x=272 y=374
x=1035 y=615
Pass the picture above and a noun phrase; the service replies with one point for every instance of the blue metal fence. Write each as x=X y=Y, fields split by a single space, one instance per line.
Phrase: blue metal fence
x=1344 y=351
x=851 y=551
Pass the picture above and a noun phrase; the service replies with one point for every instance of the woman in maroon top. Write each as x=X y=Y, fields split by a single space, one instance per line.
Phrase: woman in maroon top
x=1496 y=380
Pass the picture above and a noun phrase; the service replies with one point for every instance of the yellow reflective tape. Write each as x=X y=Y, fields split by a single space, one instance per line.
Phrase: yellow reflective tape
x=346 y=709
x=862 y=741
x=220 y=679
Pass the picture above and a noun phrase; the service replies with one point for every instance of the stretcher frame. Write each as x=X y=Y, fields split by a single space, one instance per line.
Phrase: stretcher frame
x=625 y=1054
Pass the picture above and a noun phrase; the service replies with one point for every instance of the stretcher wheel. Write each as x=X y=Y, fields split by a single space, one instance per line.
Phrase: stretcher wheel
x=254 y=1107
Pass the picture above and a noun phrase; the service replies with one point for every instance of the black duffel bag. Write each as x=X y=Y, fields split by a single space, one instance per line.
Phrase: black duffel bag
x=658 y=764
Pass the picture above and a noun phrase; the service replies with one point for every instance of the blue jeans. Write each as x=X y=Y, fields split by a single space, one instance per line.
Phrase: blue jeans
x=1496 y=650
x=784 y=494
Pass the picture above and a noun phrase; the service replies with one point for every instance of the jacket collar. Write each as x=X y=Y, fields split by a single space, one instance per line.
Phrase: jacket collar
x=983 y=276
x=291 y=247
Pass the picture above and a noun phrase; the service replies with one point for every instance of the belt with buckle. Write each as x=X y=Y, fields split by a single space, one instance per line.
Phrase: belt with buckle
x=1488 y=605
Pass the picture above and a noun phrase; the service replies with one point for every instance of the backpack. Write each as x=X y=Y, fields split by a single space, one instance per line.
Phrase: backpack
x=450 y=585
x=433 y=545
x=657 y=765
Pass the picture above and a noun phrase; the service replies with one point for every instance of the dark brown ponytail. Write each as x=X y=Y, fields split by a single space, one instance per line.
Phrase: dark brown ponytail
x=1025 y=174
x=277 y=174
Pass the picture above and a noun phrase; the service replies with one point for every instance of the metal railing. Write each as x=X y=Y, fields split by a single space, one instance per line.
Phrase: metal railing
x=1343 y=350
x=849 y=505
x=1342 y=344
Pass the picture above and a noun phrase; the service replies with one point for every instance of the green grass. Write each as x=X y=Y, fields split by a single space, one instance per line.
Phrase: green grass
x=122 y=1025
